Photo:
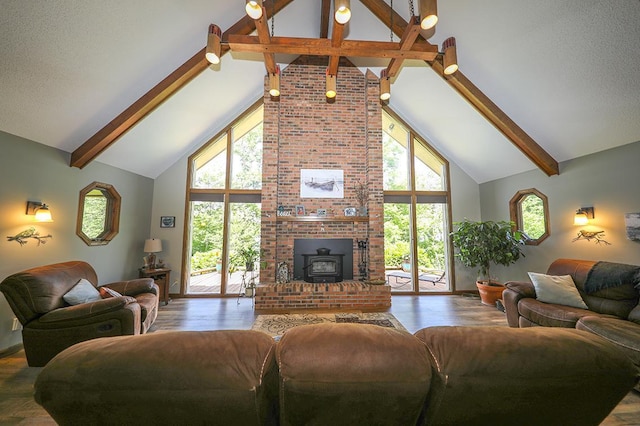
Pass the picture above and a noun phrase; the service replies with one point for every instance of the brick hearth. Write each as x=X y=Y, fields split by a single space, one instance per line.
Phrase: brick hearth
x=347 y=295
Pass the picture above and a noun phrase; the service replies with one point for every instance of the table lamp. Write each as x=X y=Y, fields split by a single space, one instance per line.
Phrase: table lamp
x=152 y=246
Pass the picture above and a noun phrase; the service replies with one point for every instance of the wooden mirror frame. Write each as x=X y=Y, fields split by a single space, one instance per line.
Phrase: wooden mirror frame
x=112 y=219
x=515 y=211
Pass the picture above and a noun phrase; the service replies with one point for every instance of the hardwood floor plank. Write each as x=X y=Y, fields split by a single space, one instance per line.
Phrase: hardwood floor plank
x=414 y=312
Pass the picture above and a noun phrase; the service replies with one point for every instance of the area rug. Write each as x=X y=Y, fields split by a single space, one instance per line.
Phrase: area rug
x=276 y=325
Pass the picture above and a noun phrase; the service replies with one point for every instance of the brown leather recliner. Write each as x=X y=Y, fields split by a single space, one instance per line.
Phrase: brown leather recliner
x=50 y=324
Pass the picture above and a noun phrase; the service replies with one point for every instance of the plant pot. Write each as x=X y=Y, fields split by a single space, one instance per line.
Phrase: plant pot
x=489 y=292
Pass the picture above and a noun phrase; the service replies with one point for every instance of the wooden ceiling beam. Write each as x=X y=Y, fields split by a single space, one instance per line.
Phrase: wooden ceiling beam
x=336 y=42
x=263 y=35
x=325 y=10
x=481 y=102
x=323 y=47
x=96 y=144
x=409 y=37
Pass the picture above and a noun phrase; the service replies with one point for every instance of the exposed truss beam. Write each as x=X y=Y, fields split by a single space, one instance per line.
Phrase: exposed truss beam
x=336 y=42
x=325 y=10
x=323 y=47
x=263 y=35
x=106 y=136
x=410 y=35
x=529 y=147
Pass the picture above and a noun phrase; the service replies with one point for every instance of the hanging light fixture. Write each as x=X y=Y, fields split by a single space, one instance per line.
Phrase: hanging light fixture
x=331 y=91
x=274 y=83
x=343 y=11
x=450 y=56
x=254 y=8
x=214 y=48
x=385 y=86
x=428 y=14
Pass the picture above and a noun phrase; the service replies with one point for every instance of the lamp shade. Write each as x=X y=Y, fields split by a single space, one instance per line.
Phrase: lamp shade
x=428 y=14
x=214 y=46
x=43 y=214
x=254 y=8
x=342 y=11
x=153 y=245
x=580 y=219
x=450 y=56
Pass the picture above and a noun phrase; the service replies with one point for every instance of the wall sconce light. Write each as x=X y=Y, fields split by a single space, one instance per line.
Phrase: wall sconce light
x=583 y=215
x=214 y=46
x=343 y=11
x=40 y=210
x=254 y=8
x=152 y=246
x=450 y=60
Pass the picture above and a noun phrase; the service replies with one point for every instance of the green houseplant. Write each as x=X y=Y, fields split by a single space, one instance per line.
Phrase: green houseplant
x=479 y=244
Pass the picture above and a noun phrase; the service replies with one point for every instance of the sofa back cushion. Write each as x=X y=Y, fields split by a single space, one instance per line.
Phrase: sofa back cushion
x=619 y=299
x=351 y=374
x=36 y=291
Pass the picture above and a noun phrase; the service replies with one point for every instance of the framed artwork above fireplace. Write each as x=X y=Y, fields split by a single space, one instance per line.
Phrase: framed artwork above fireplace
x=321 y=183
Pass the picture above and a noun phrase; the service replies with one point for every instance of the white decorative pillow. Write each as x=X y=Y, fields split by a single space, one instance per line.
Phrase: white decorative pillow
x=82 y=292
x=560 y=290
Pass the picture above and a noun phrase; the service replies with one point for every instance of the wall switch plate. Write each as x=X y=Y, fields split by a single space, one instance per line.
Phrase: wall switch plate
x=16 y=325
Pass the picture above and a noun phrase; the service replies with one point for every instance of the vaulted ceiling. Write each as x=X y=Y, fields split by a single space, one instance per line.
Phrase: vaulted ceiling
x=560 y=76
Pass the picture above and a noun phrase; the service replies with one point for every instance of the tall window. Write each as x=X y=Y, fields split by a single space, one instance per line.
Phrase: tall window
x=416 y=206
x=225 y=181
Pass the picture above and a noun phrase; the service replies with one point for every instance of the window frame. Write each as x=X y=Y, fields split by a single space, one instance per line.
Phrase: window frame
x=515 y=212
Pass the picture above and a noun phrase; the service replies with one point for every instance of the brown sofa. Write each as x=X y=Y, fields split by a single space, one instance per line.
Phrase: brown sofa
x=611 y=292
x=50 y=324
x=339 y=374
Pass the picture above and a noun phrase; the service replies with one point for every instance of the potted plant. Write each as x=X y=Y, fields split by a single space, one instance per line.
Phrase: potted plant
x=249 y=256
x=479 y=244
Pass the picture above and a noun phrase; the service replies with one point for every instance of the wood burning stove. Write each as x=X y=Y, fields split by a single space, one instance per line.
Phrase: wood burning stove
x=323 y=267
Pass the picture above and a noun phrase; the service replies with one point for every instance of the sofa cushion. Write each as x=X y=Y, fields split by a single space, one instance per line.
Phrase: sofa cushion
x=624 y=334
x=82 y=292
x=224 y=377
x=532 y=376
x=549 y=314
x=351 y=374
x=559 y=290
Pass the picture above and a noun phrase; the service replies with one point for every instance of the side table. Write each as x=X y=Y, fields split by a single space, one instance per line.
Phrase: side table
x=161 y=276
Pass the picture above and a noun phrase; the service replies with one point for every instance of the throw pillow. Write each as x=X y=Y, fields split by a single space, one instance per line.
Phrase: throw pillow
x=106 y=292
x=82 y=292
x=557 y=289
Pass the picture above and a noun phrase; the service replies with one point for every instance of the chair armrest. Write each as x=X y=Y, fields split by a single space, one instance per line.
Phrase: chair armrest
x=515 y=291
x=524 y=288
x=134 y=287
x=87 y=310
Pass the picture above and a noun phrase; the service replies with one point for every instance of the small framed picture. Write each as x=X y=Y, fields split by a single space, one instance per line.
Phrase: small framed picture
x=167 y=221
x=321 y=212
x=350 y=211
x=300 y=210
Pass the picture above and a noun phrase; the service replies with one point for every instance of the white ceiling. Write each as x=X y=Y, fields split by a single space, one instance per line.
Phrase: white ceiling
x=567 y=72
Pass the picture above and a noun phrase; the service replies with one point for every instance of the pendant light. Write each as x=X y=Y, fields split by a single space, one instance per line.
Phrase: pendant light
x=428 y=14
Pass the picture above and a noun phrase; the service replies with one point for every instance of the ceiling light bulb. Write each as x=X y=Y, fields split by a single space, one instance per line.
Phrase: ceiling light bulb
x=428 y=14
x=343 y=11
x=254 y=9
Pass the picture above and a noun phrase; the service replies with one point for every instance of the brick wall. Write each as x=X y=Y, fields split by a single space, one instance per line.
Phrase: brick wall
x=303 y=131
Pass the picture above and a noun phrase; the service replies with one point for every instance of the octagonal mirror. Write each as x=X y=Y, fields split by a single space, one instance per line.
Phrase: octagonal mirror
x=98 y=214
x=530 y=212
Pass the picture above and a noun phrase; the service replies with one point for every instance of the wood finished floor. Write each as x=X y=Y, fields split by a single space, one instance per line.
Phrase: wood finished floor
x=17 y=406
